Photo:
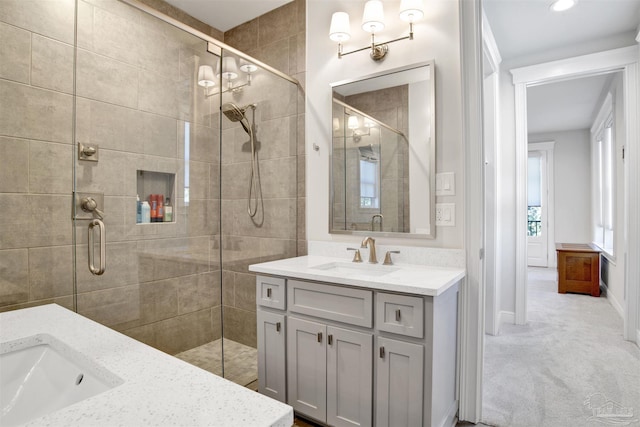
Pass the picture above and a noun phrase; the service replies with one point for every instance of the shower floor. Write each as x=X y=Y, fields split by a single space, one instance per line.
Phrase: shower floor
x=240 y=362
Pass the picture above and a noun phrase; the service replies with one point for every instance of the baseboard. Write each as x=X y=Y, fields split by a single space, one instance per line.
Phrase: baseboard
x=452 y=416
x=613 y=301
x=506 y=317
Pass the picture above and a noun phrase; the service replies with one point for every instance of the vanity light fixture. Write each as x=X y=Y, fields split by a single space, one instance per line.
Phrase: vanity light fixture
x=562 y=5
x=229 y=73
x=373 y=22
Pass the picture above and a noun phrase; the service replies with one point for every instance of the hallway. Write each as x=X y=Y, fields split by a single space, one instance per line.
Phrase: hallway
x=567 y=361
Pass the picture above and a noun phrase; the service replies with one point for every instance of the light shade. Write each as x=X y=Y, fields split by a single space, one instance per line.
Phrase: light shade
x=373 y=16
x=562 y=5
x=205 y=76
x=368 y=123
x=340 y=29
x=411 y=10
x=352 y=123
x=248 y=67
x=229 y=68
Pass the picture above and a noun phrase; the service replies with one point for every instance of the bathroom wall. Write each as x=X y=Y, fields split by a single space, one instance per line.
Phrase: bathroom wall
x=277 y=39
x=137 y=99
x=437 y=37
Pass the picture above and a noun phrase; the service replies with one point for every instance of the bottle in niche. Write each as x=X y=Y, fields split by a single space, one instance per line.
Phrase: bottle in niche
x=168 y=210
x=160 y=212
x=153 y=203
x=145 y=212
x=138 y=210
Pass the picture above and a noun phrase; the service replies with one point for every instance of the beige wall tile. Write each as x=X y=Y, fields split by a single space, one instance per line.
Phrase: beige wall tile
x=278 y=24
x=52 y=64
x=245 y=291
x=158 y=300
x=111 y=307
x=204 y=142
x=184 y=332
x=159 y=135
x=278 y=178
x=202 y=218
x=199 y=292
x=228 y=285
x=14 y=165
x=50 y=170
x=198 y=180
x=85 y=25
x=167 y=258
x=235 y=180
x=240 y=325
x=15 y=51
x=121 y=265
x=14 y=276
x=279 y=219
x=51 y=18
x=33 y=113
x=159 y=94
x=50 y=272
x=113 y=175
x=273 y=249
x=106 y=79
x=244 y=37
x=238 y=252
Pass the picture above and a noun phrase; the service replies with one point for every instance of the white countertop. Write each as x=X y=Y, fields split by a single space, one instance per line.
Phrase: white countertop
x=158 y=389
x=405 y=278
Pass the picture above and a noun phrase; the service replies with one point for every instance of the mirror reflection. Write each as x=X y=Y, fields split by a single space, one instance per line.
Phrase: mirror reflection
x=383 y=154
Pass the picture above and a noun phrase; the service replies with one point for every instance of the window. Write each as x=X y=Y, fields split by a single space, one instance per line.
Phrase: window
x=603 y=149
x=369 y=186
x=534 y=194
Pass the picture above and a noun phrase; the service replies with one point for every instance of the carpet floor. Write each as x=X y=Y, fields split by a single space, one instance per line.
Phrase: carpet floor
x=569 y=366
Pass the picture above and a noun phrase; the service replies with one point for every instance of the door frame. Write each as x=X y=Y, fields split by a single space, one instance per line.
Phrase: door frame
x=548 y=148
x=626 y=60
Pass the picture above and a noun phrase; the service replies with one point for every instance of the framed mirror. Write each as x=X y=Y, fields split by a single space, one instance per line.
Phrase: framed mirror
x=383 y=154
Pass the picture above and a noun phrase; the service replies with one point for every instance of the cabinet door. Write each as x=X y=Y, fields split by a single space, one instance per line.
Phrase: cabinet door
x=349 y=378
x=271 y=355
x=399 y=387
x=307 y=368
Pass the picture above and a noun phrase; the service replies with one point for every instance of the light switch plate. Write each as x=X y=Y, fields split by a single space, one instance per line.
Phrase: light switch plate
x=446 y=184
x=445 y=214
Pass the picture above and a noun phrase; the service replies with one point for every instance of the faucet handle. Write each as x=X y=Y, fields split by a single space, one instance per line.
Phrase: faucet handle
x=387 y=257
x=356 y=255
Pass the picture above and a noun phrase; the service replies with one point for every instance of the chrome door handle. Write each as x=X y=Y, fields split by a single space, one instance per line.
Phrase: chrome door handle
x=103 y=248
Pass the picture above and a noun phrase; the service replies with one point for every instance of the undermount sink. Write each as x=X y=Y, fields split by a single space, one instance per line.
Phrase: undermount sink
x=352 y=268
x=40 y=375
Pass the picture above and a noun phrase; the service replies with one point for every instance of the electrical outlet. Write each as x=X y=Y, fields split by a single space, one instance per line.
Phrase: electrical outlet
x=446 y=214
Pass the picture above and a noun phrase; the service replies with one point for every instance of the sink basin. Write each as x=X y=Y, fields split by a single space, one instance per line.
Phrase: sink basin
x=356 y=269
x=40 y=374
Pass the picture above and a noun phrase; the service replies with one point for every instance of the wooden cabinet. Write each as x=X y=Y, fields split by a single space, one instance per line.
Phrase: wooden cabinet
x=271 y=355
x=578 y=268
x=399 y=370
x=356 y=356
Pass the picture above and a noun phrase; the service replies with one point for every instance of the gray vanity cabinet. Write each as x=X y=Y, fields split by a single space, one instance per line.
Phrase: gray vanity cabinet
x=272 y=356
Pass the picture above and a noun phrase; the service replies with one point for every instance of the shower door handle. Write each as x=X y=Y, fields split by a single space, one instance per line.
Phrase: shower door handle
x=103 y=246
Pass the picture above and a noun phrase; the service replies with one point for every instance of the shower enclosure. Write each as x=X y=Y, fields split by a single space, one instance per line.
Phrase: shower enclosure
x=102 y=103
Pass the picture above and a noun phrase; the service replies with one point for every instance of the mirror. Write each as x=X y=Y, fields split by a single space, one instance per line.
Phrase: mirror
x=383 y=154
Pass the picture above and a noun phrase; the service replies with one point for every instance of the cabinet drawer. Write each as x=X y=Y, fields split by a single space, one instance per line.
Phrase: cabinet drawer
x=352 y=306
x=270 y=292
x=400 y=314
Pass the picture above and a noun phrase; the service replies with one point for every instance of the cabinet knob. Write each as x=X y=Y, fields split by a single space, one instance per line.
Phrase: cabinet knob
x=319 y=336
x=268 y=292
x=397 y=315
x=278 y=327
x=382 y=352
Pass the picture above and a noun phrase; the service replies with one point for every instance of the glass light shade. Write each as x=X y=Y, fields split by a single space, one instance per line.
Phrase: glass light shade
x=336 y=124
x=353 y=123
x=205 y=76
x=411 y=10
x=340 y=29
x=368 y=123
x=248 y=67
x=373 y=16
x=229 y=68
x=562 y=5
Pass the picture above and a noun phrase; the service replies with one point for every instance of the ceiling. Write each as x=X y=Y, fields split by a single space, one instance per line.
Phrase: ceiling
x=226 y=14
x=529 y=27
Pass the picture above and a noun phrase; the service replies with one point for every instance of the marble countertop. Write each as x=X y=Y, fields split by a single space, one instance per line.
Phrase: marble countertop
x=405 y=278
x=158 y=389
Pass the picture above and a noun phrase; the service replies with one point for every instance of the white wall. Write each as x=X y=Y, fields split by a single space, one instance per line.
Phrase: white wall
x=506 y=153
x=572 y=184
x=436 y=38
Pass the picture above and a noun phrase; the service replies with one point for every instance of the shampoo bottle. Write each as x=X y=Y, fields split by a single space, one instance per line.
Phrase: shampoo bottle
x=168 y=210
x=146 y=212
x=138 y=210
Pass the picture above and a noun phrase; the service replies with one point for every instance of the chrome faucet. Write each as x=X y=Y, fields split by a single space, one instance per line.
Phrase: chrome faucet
x=371 y=242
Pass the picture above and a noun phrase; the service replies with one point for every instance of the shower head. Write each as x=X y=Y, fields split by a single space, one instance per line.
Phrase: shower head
x=236 y=114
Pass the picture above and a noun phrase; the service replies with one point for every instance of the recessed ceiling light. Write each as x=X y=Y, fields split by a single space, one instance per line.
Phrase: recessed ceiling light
x=562 y=5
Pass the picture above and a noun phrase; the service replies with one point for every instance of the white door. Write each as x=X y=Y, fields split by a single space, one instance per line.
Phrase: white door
x=537 y=235
x=349 y=378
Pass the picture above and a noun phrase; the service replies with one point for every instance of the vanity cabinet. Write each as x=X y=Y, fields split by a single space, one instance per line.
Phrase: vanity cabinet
x=354 y=356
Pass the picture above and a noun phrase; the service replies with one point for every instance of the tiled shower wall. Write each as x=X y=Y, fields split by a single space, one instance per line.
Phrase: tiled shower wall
x=137 y=99
x=277 y=39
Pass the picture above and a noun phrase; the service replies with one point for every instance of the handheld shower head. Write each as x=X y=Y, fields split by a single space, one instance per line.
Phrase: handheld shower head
x=236 y=114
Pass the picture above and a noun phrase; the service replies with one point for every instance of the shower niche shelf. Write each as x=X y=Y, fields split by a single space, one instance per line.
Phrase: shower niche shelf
x=156 y=183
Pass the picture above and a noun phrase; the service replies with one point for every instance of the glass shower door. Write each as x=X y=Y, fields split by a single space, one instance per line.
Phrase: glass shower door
x=148 y=133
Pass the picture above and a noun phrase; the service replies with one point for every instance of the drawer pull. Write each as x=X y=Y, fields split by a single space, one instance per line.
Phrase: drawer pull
x=397 y=315
x=382 y=352
x=268 y=292
x=330 y=339
x=278 y=327
x=319 y=336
